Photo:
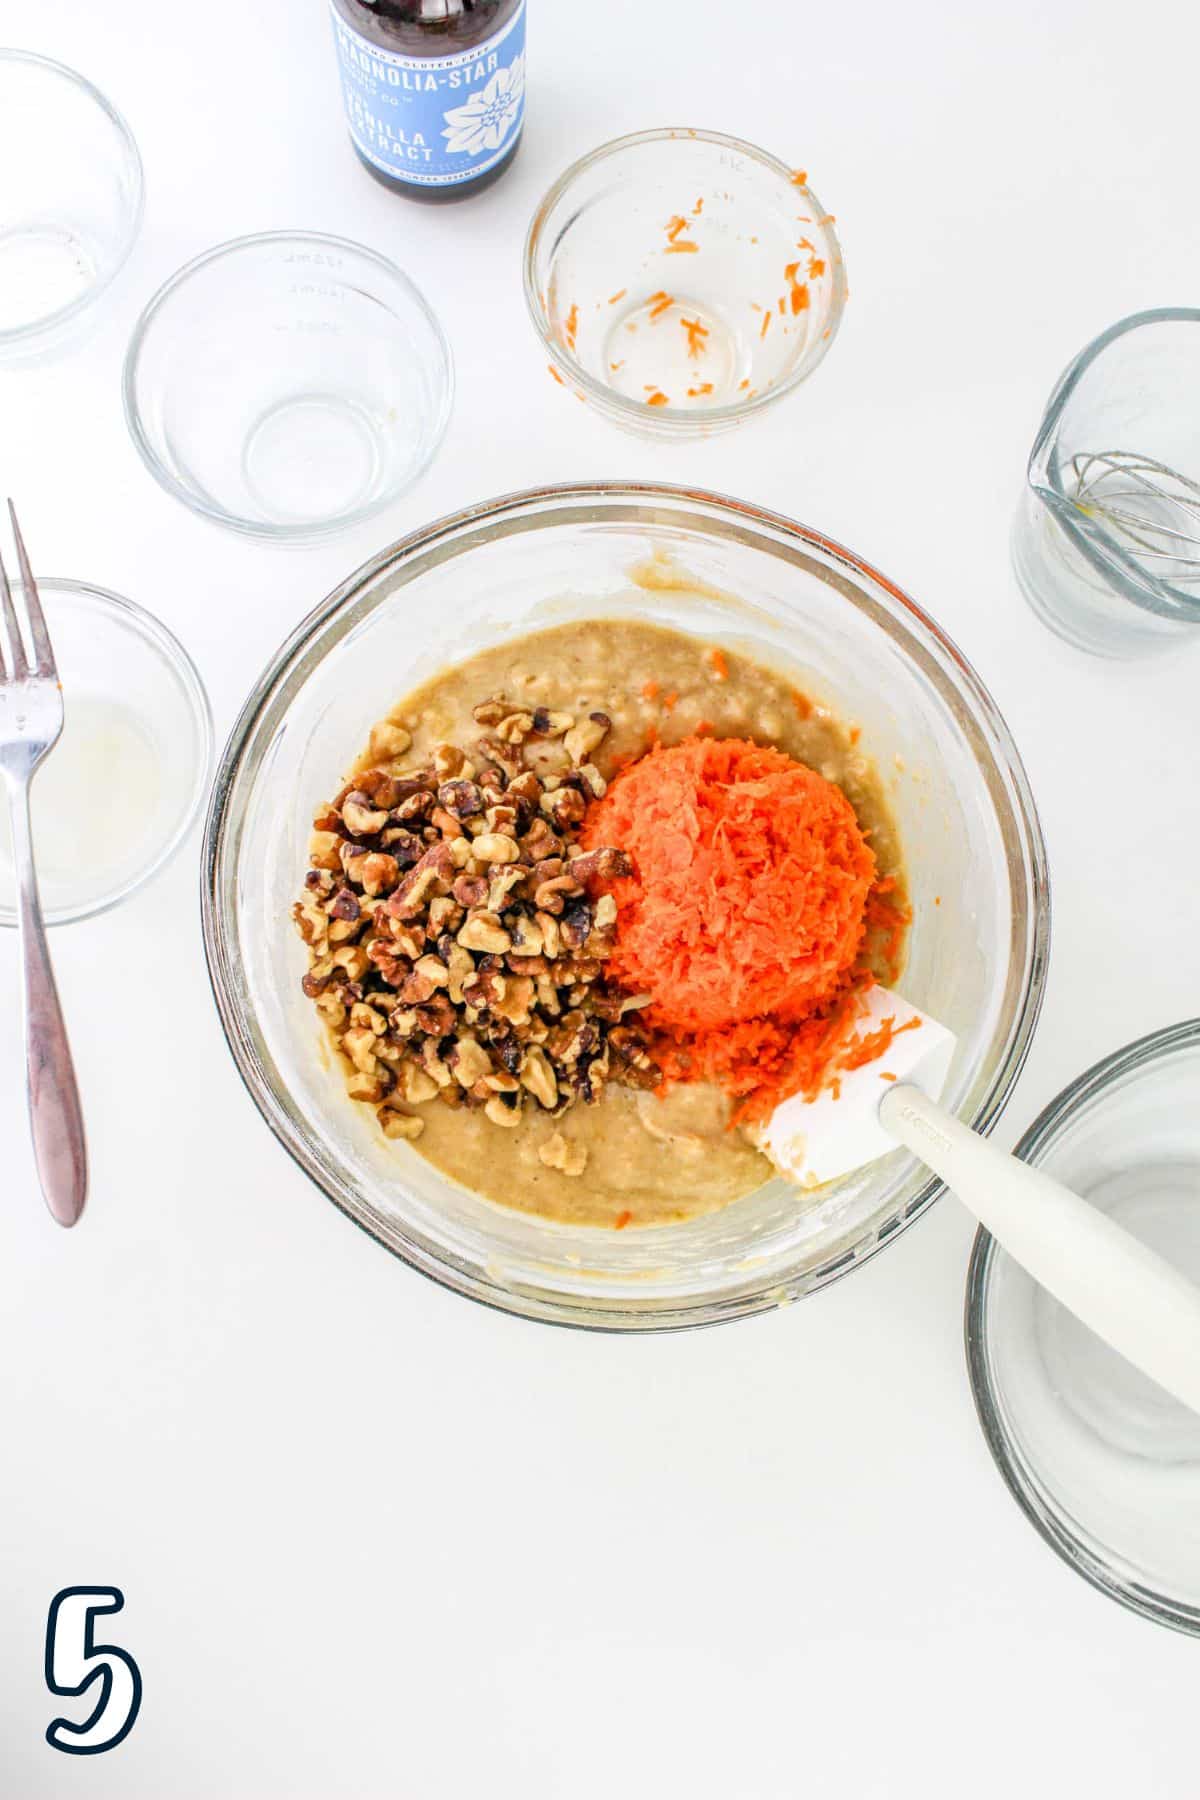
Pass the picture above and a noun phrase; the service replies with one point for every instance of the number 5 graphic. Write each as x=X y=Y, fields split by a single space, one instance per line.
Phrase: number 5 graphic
x=75 y=1661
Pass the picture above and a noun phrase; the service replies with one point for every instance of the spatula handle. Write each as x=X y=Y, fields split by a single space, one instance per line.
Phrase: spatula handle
x=1129 y=1295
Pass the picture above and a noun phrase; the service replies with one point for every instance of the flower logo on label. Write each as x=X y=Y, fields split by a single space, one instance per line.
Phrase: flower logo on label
x=484 y=122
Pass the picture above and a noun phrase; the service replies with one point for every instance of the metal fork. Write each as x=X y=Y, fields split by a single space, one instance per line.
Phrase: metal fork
x=31 y=722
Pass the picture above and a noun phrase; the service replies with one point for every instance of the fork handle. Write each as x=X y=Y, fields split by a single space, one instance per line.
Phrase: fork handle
x=55 y=1115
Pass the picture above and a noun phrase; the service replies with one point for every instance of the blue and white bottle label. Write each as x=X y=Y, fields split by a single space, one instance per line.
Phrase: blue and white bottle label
x=434 y=120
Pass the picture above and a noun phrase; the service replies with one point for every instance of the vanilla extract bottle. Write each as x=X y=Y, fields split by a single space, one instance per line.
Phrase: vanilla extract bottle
x=434 y=91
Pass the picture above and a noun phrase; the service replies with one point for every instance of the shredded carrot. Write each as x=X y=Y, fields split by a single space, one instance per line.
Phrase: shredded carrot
x=696 y=334
x=719 y=663
x=800 y=177
x=670 y=701
x=699 y=206
x=799 y=298
x=556 y=374
x=571 y=327
x=886 y=1075
x=802 y=704
x=827 y=219
x=745 y=383
x=658 y=398
x=675 y=224
x=650 y=689
x=791 y=271
x=749 y=920
x=816 y=268
x=855 y=733
x=706 y=387
x=622 y=1220
x=619 y=295
x=617 y=365
x=805 y=244
x=783 y=303
x=873 y=1043
x=766 y=324
x=660 y=303
x=681 y=247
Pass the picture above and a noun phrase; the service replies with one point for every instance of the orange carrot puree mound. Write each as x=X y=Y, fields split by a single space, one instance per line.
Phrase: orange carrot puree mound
x=750 y=885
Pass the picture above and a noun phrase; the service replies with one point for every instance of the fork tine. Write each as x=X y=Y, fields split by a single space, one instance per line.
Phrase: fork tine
x=11 y=631
x=42 y=651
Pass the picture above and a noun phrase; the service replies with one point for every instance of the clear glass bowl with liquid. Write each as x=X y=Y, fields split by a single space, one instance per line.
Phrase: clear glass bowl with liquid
x=757 y=583
x=116 y=797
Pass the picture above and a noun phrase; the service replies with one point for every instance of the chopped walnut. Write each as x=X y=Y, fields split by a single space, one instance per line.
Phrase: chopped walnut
x=557 y=1153
x=456 y=942
x=400 y=1125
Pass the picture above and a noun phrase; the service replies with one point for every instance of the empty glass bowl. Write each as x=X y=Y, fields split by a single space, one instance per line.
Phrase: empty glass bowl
x=682 y=280
x=70 y=199
x=764 y=585
x=119 y=792
x=1104 y=1463
x=287 y=385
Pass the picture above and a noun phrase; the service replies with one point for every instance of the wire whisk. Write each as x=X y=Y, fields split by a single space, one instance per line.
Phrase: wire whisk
x=1153 y=509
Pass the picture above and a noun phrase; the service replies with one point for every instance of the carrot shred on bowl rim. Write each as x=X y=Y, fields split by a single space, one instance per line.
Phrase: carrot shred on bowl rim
x=752 y=919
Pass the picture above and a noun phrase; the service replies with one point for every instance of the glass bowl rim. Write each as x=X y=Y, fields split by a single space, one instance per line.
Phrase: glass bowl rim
x=163 y=639
x=49 y=322
x=1144 y=1052
x=290 y=664
x=309 y=529
x=676 y=417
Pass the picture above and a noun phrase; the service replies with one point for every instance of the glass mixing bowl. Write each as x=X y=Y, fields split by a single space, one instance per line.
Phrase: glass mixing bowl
x=1102 y=1461
x=723 y=571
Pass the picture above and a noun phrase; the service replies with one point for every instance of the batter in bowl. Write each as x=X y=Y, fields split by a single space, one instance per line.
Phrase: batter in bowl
x=565 y=710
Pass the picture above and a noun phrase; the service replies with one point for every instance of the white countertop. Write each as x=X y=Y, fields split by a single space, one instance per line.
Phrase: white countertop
x=377 y=1541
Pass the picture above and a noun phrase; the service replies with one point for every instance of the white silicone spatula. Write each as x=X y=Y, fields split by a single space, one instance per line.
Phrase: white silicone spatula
x=1125 y=1293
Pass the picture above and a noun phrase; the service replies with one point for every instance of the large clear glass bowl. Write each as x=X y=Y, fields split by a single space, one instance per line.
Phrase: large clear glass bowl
x=1102 y=1461
x=790 y=597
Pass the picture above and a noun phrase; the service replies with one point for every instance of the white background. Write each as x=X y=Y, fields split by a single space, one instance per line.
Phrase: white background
x=377 y=1541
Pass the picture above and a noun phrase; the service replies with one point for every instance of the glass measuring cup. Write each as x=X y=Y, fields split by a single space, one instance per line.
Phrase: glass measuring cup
x=1106 y=544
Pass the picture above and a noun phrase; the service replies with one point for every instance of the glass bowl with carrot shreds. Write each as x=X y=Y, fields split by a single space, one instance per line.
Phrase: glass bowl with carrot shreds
x=623 y=798
x=682 y=281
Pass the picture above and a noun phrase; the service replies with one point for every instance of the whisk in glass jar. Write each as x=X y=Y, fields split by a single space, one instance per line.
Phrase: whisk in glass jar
x=1106 y=545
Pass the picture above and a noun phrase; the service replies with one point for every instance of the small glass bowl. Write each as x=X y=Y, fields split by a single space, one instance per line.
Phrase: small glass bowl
x=288 y=385
x=1099 y=1458
x=683 y=280
x=117 y=795
x=70 y=201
